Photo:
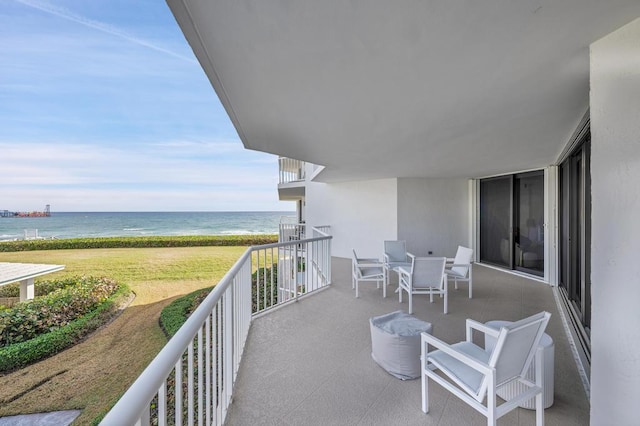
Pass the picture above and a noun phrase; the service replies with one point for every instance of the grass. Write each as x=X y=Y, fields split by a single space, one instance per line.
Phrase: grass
x=92 y=375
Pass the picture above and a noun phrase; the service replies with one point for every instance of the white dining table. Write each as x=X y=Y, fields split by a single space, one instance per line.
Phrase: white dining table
x=25 y=273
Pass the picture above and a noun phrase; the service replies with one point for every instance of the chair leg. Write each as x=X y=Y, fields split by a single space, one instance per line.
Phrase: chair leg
x=384 y=290
x=455 y=283
x=425 y=386
x=470 y=282
x=539 y=410
x=539 y=382
x=492 y=418
x=446 y=300
x=410 y=302
x=357 y=289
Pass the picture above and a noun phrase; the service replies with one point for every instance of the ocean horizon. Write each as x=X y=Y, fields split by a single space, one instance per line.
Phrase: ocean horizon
x=135 y=224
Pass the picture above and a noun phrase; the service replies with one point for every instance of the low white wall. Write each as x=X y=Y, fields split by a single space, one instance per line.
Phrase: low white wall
x=615 y=193
x=361 y=214
x=433 y=215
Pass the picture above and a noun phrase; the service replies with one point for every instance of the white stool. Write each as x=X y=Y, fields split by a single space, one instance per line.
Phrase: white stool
x=515 y=388
x=395 y=343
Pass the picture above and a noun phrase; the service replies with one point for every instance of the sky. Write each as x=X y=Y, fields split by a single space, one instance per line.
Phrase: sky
x=103 y=107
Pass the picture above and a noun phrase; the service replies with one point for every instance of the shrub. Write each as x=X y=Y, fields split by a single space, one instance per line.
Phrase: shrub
x=176 y=313
x=44 y=287
x=138 y=242
x=268 y=291
x=44 y=314
x=21 y=354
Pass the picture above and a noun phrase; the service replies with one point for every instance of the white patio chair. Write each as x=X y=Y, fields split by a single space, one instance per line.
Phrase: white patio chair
x=395 y=256
x=425 y=276
x=367 y=269
x=473 y=373
x=460 y=269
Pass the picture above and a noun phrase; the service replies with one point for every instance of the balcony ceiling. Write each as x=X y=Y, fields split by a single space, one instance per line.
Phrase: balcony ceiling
x=377 y=89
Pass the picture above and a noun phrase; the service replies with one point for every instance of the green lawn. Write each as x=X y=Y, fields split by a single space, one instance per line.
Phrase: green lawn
x=93 y=374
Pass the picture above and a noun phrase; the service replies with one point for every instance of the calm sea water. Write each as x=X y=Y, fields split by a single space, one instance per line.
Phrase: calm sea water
x=78 y=225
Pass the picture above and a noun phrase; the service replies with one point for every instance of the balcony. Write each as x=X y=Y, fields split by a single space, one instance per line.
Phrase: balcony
x=310 y=362
x=237 y=360
x=291 y=179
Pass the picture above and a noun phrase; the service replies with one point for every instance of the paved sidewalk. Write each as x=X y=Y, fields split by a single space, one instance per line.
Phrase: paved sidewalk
x=55 y=418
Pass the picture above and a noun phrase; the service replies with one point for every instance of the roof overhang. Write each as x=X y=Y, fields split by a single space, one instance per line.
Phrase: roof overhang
x=378 y=89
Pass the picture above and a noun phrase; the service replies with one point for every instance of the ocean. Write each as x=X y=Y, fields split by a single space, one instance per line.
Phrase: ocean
x=133 y=224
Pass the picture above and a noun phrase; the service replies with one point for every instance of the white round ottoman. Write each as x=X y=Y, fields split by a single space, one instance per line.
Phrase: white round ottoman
x=395 y=343
x=514 y=388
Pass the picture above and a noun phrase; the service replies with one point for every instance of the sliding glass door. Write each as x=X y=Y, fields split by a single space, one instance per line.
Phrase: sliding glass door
x=529 y=222
x=496 y=209
x=512 y=222
x=575 y=238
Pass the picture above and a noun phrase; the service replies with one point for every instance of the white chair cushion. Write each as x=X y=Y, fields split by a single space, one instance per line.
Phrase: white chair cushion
x=371 y=272
x=453 y=273
x=392 y=265
x=471 y=378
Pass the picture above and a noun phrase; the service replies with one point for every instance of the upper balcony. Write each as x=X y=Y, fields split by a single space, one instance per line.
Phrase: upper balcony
x=292 y=179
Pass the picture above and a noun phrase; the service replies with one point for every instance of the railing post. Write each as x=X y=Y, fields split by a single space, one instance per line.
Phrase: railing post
x=228 y=344
x=295 y=272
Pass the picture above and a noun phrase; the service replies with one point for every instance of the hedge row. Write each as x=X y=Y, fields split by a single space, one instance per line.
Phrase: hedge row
x=176 y=313
x=139 y=242
x=22 y=354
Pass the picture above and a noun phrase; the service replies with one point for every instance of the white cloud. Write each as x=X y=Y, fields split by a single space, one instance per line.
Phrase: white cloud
x=73 y=164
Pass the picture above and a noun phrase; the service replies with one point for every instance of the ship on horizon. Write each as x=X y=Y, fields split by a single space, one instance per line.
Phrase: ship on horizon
x=45 y=213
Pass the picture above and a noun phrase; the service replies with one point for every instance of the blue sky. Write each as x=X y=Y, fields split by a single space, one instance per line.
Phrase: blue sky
x=103 y=107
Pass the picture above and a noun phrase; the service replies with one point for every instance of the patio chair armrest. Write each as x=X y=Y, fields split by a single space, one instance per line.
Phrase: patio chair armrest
x=428 y=339
x=450 y=260
x=369 y=260
x=402 y=271
x=369 y=264
x=464 y=265
x=475 y=325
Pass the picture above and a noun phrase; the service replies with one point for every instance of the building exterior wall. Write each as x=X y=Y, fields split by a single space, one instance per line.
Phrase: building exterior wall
x=433 y=215
x=615 y=270
x=361 y=214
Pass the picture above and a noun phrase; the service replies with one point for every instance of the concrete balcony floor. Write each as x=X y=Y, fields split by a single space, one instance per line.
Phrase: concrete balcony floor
x=310 y=363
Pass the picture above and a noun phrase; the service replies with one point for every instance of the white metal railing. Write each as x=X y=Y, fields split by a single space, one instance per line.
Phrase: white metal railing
x=291 y=170
x=291 y=232
x=191 y=380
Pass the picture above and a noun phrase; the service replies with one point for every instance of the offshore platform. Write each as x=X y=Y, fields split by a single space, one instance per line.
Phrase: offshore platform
x=45 y=213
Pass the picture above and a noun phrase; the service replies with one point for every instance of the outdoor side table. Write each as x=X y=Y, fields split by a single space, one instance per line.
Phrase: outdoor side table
x=515 y=388
x=395 y=343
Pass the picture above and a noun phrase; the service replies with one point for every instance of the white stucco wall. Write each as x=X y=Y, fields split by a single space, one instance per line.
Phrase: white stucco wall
x=615 y=269
x=361 y=214
x=433 y=215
